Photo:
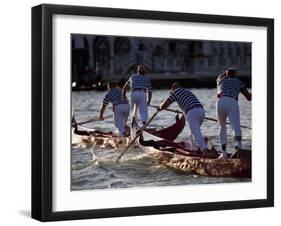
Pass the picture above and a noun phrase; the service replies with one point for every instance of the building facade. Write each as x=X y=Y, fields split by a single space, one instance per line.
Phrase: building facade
x=117 y=57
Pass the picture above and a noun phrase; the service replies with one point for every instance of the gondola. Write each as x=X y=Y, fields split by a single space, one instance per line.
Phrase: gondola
x=102 y=139
x=178 y=157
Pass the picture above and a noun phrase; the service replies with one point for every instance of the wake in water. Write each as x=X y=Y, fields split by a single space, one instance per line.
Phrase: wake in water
x=97 y=169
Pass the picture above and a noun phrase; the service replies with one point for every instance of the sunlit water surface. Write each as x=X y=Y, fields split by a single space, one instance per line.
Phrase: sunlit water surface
x=94 y=168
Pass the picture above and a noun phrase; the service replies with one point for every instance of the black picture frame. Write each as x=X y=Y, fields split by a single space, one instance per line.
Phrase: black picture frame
x=42 y=111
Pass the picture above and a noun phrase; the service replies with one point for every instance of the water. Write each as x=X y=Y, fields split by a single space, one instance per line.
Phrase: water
x=94 y=168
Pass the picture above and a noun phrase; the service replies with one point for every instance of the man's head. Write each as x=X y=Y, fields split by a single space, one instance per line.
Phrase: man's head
x=111 y=85
x=230 y=72
x=141 y=69
x=174 y=86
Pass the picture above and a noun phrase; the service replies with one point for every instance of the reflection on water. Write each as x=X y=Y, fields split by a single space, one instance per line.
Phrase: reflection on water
x=94 y=168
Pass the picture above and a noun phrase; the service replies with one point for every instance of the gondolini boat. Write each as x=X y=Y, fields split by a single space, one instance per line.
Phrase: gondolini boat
x=102 y=139
x=178 y=157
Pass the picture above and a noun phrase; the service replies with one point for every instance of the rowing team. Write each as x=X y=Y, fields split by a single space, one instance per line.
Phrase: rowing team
x=228 y=89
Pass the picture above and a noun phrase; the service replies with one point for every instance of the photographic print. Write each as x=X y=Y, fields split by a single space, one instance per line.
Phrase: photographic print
x=152 y=112
x=130 y=106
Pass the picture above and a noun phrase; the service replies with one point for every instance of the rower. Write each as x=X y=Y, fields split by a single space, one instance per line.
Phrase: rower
x=193 y=111
x=121 y=107
x=140 y=93
x=228 y=89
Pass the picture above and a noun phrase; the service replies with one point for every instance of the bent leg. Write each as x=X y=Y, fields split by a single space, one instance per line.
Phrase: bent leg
x=234 y=118
x=222 y=115
x=143 y=110
x=118 y=120
x=134 y=104
x=194 y=118
x=126 y=113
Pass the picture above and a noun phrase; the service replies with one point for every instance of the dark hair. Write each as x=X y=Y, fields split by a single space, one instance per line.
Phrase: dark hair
x=231 y=72
x=141 y=69
x=112 y=84
x=175 y=85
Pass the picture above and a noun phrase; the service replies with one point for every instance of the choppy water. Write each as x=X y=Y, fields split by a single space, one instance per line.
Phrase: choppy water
x=94 y=168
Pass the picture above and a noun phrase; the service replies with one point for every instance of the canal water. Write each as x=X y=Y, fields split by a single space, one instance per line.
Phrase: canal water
x=94 y=168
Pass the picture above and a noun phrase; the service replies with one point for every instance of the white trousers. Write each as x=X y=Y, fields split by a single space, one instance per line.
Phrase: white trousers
x=195 y=118
x=139 y=103
x=121 y=114
x=227 y=107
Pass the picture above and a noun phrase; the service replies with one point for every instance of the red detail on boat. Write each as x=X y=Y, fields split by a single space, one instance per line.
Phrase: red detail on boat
x=171 y=132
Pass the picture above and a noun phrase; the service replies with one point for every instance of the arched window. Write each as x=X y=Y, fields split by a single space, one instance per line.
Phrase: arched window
x=122 y=46
x=101 y=52
x=172 y=47
x=80 y=51
x=214 y=50
x=80 y=57
x=158 y=50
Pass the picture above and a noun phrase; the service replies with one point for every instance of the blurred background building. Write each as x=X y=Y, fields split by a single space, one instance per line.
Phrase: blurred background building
x=98 y=59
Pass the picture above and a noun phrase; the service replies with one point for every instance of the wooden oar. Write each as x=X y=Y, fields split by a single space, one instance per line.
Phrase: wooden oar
x=207 y=118
x=136 y=137
x=93 y=120
x=167 y=109
x=215 y=120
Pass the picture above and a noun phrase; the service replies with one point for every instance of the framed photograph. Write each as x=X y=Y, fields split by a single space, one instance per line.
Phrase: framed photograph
x=145 y=112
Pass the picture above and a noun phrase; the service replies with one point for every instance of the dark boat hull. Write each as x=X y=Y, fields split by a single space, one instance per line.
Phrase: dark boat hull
x=101 y=139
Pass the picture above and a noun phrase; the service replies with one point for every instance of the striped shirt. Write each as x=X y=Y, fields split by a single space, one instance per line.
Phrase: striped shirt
x=229 y=86
x=185 y=98
x=138 y=81
x=114 y=96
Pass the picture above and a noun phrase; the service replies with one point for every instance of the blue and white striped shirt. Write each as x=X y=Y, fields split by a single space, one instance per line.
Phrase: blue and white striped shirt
x=185 y=98
x=138 y=81
x=114 y=96
x=229 y=86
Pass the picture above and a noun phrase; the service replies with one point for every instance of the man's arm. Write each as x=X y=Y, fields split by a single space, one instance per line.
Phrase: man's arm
x=164 y=104
x=149 y=97
x=246 y=94
x=101 y=112
x=124 y=89
x=149 y=90
x=220 y=77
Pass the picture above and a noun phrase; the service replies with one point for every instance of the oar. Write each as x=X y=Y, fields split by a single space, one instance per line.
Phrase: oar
x=136 y=137
x=166 y=109
x=215 y=120
x=207 y=118
x=93 y=119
